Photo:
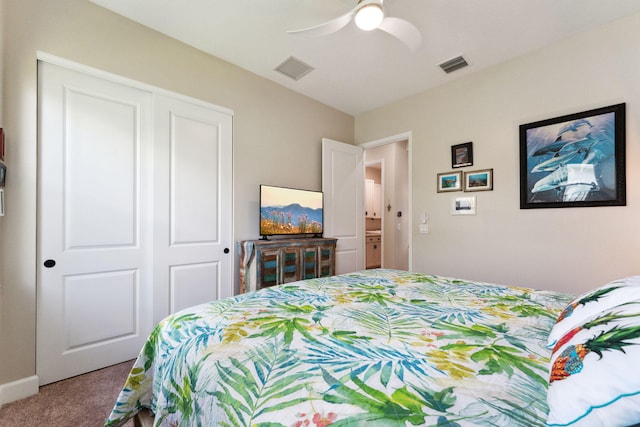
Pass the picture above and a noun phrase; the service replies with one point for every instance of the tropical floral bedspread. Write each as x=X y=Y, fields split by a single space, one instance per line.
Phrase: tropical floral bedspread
x=375 y=348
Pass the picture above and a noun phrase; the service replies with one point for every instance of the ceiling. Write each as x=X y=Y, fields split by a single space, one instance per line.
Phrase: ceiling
x=356 y=71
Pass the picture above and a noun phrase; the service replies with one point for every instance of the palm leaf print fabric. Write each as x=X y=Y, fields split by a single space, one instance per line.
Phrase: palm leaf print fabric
x=379 y=348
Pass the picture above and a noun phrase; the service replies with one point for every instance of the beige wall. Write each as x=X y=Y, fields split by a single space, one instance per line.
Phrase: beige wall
x=564 y=249
x=277 y=133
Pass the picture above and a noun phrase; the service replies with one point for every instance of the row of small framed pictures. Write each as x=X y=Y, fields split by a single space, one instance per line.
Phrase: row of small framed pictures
x=479 y=180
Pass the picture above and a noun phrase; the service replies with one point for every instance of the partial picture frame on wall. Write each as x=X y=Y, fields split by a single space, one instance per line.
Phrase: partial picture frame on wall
x=576 y=160
x=3 y=174
x=1 y=144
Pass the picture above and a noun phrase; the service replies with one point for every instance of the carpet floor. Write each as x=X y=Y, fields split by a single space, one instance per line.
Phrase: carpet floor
x=82 y=401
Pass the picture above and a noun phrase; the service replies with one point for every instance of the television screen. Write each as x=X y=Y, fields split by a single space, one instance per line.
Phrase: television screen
x=290 y=211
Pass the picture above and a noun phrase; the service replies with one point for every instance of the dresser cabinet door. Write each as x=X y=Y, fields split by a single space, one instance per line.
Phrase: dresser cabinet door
x=268 y=267
x=290 y=264
x=310 y=262
x=327 y=261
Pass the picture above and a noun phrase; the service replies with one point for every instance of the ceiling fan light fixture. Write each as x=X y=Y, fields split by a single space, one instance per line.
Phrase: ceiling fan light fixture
x=369 y=16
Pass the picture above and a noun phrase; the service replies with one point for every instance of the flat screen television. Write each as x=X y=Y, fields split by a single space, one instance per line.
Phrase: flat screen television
x=290 y=211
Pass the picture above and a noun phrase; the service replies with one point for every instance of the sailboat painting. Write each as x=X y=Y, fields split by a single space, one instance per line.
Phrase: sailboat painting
x=575 y=160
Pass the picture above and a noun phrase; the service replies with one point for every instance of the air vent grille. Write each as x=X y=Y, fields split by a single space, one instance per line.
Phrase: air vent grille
x=454 y=64
x=294 y=68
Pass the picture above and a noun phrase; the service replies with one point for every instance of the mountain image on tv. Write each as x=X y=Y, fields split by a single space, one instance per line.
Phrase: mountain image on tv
x=290 y=211
x=291 y=219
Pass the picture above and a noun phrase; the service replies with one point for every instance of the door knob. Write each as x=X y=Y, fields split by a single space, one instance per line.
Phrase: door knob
x=226 y=250
x=50 y=263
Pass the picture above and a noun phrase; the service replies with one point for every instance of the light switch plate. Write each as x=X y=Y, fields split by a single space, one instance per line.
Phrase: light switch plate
x=424 y=228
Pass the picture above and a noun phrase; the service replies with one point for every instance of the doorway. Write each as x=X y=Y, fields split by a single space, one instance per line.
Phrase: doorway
x=374 y=212
x=390 y=160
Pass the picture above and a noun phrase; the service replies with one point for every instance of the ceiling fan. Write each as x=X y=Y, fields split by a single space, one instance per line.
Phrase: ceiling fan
x=369 y=15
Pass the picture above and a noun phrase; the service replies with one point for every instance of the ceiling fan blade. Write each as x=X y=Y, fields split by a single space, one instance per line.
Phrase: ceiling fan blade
x=403 y=30
x=326 y=28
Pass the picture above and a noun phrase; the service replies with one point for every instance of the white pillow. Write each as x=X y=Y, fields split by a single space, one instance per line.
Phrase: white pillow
x=593 y=302
x=595 y=372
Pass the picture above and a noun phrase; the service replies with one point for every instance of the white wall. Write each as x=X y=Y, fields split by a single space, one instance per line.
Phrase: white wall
x=565 y=249
x=271 y=126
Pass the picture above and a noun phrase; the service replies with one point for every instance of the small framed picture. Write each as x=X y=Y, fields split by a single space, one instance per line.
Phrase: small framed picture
x=462 y=155
x=480 y=180
x=1 y=144
x=463 y=205
x=3 y=174
x=451 y=181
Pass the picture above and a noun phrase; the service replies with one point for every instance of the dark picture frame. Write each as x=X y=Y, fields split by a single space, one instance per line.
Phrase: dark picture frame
x=449 y=181
x=462 y=155
x=3 y=174
x=479 y=180
x=1 y=144
x=576 y=160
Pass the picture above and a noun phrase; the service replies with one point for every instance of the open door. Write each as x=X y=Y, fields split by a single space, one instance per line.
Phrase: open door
x=343 y=187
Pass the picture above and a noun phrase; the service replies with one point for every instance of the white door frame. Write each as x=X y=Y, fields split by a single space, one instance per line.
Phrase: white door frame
x=405 y=136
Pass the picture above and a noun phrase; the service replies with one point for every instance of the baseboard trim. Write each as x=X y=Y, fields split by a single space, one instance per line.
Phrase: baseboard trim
x=19 y=389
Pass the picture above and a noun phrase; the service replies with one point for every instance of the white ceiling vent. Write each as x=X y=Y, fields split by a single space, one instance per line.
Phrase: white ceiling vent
x=453 y=64
x=294 y=68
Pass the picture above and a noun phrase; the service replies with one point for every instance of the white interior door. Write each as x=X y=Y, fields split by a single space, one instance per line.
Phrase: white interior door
x=95 y=224
x=343 y=187
x=193 y=260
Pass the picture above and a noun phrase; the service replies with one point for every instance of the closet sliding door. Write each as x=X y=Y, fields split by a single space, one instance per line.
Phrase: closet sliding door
x=95 y=225
x=193 y=205
x=134 y=215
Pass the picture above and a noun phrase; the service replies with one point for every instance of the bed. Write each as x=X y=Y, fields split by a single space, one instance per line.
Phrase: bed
x=376 y=347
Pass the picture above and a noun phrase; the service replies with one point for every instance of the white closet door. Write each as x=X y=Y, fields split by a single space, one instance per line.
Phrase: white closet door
x=343 y=187
x=94 y=305
x=193 y=254
x=134 y=216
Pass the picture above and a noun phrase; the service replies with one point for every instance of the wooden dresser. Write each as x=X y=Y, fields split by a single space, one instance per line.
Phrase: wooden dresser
x=265 y=263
